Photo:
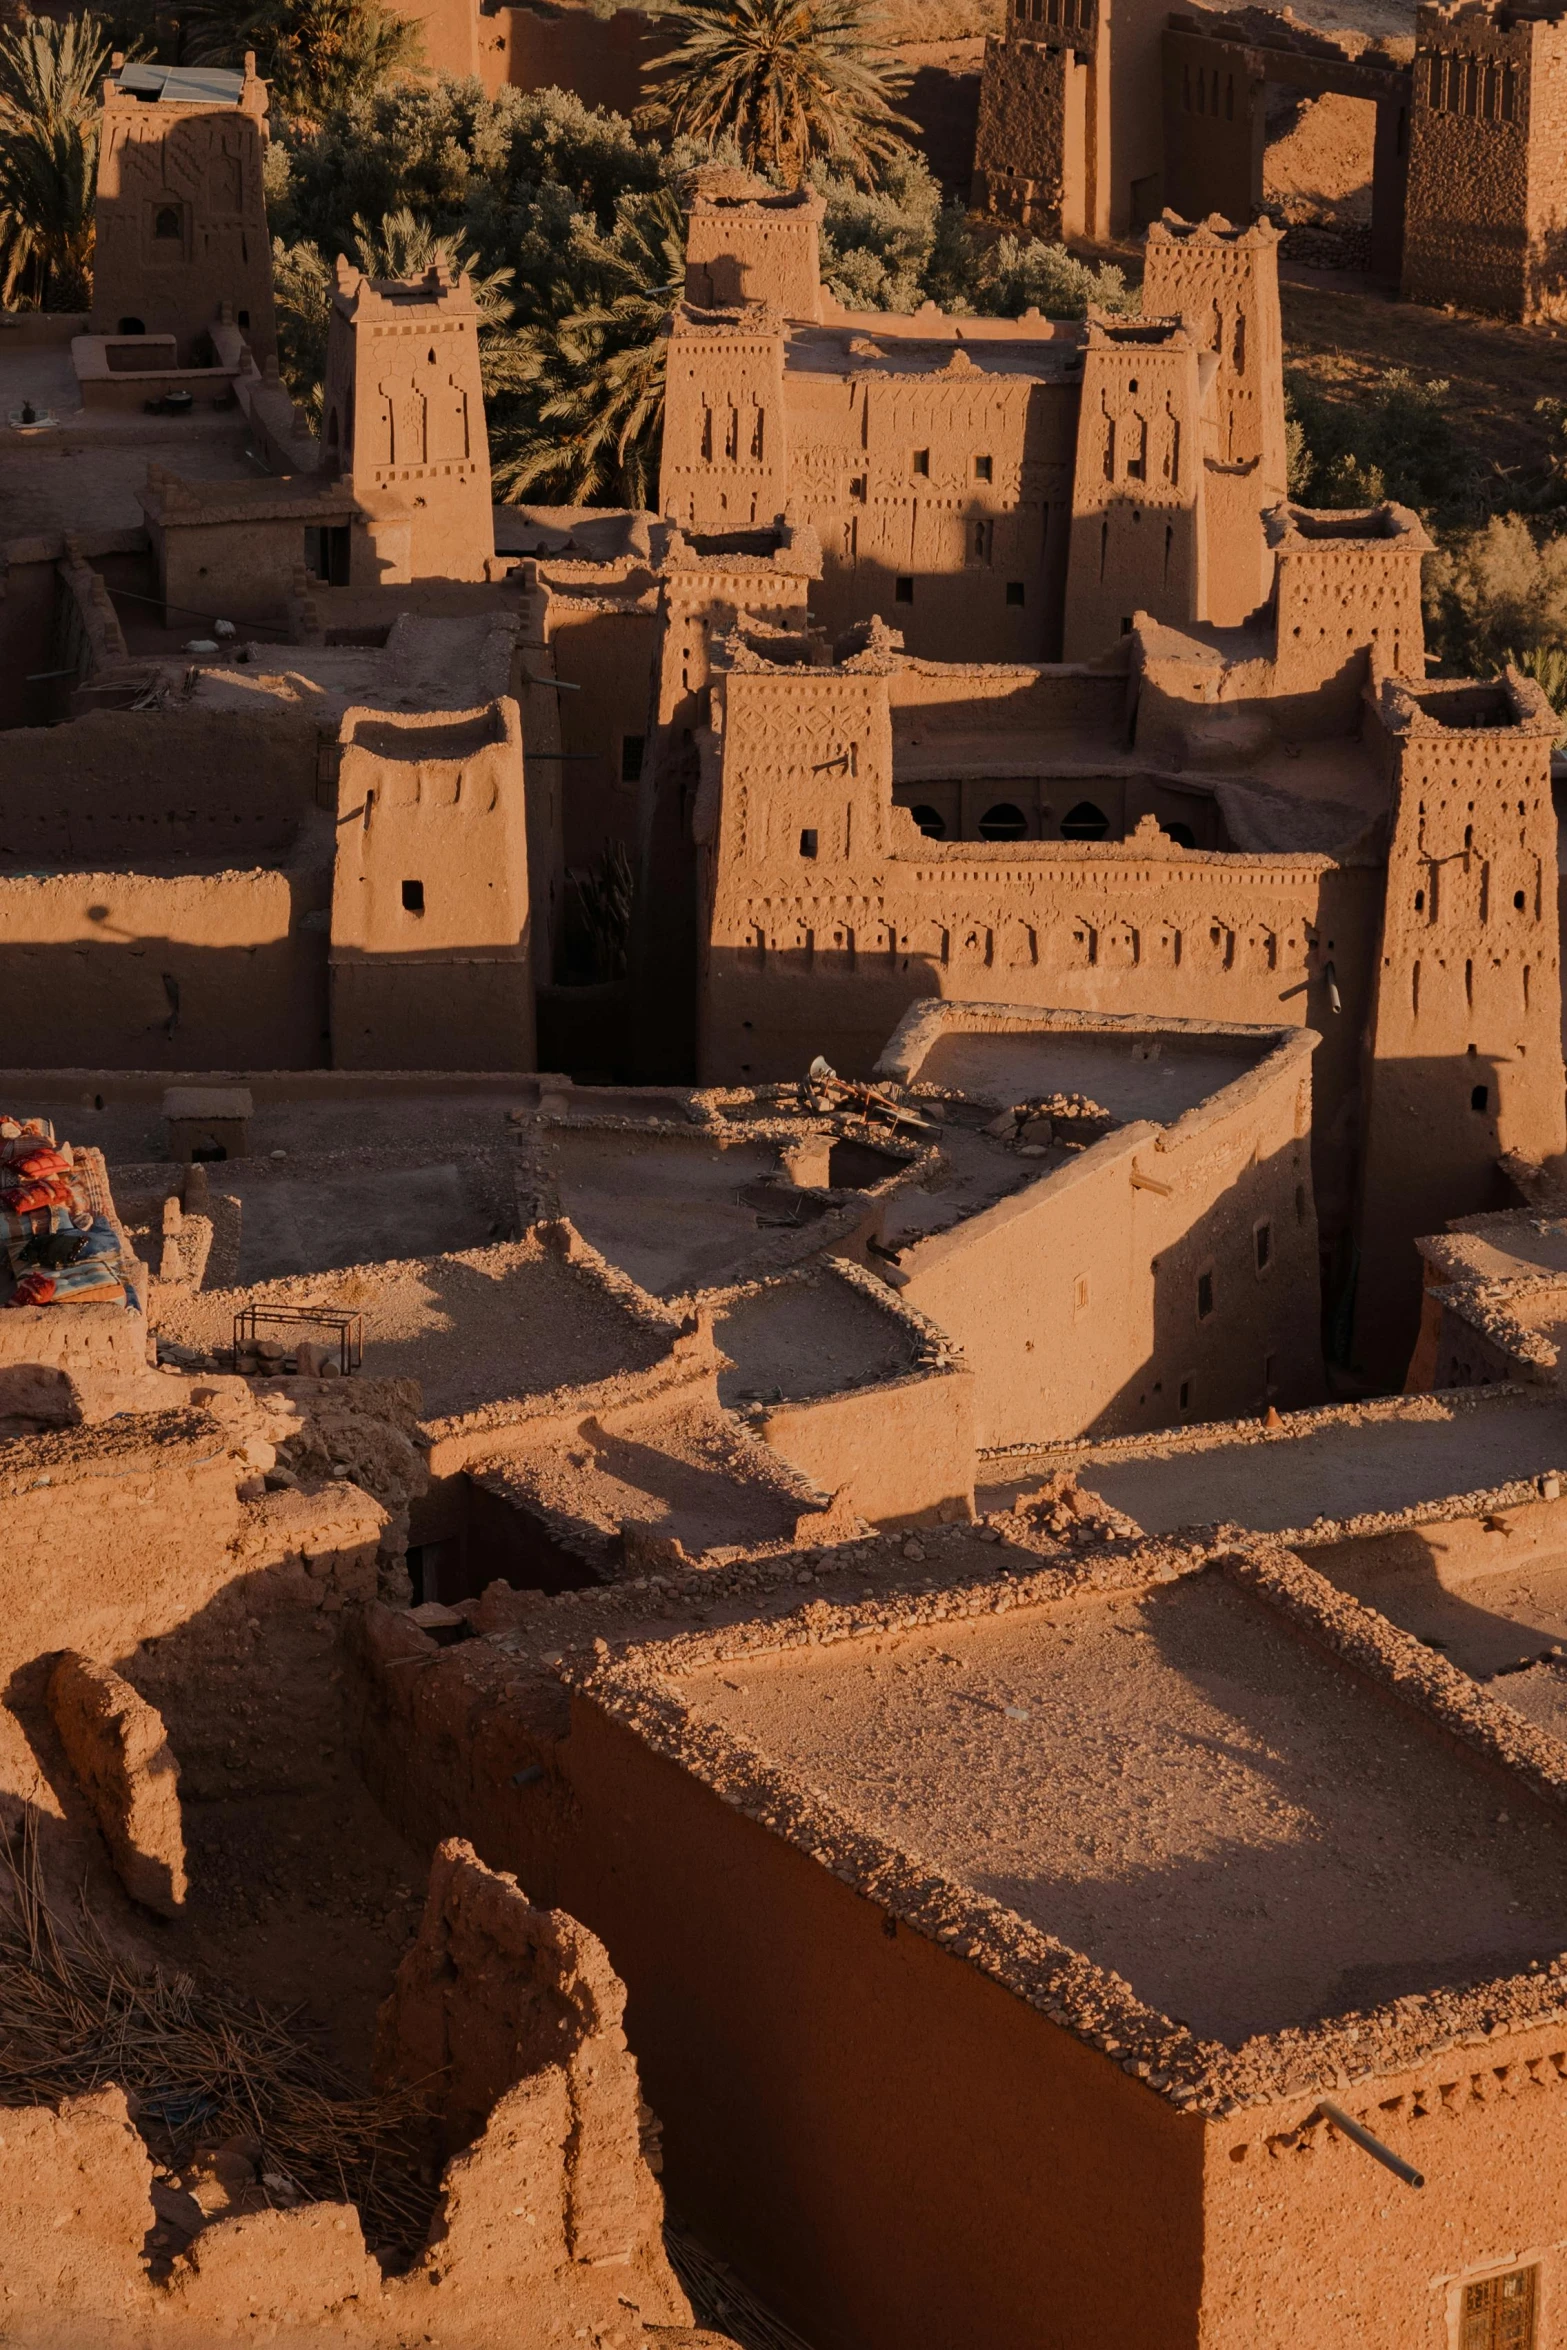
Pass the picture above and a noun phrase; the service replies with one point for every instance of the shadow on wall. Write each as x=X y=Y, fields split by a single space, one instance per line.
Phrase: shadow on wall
x=1090 y=1312
x=155 y=1002
x=1435 y=1129
x=766 y=1014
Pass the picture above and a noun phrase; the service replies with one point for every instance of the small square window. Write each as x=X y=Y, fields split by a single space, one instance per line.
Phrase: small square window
x=808 y=844
x=413 y=897
x=983 y=469
x=1204 y=1296
x=1480 y=1098
x=1014 y=591
x=920 y=463
x=1186 y=1395
x=1499 y=2312
x=903 y=591
x=631 y=749
x=1262 y=1242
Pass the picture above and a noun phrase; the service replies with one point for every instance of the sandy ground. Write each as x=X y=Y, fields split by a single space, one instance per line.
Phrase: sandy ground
x=1321 y=165
x=1345 y=340
x=1342 y=1472
x=675 y=1215
x=1178 y=1787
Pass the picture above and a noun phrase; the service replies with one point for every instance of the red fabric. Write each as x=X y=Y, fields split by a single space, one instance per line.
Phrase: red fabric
x=50 y=1191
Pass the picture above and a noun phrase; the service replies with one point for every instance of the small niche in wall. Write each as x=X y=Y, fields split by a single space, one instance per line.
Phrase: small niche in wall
x=1480 y=1098
x=808 y=843
x=413 y=897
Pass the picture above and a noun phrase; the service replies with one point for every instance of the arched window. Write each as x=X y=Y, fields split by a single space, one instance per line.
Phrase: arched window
x=166 y=222
x=132 y=326
x=1182 y=835
x=1084 y=822
x=1003 y=822
x=930 y=821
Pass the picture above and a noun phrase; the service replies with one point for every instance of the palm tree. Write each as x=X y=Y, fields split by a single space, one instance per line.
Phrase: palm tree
x=790 y=81
x=578 y=399
x=50 y=74
x=317 y=55
x=399 y=245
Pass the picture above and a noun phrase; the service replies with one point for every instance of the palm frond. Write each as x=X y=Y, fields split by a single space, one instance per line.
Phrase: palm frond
x=791 y=82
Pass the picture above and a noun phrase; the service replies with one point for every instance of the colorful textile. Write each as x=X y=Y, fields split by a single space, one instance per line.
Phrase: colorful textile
x=31 y=1160
x=91 y=1281
x=20 y=1135
x=33 y=1223
x=49 y=1191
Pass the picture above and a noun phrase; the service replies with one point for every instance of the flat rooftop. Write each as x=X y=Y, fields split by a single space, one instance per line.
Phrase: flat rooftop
x=1174 y=1783
x=474 y=1328
x=1132 y=1077
x=798 y=1339
x=1352 y=1462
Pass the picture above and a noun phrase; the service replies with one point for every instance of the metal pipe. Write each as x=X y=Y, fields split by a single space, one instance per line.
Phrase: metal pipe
x=38 y=676
x=562 y=685
x=1360 y=2136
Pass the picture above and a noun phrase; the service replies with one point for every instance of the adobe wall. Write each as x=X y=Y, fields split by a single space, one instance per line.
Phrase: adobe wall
x=1078 y=1301
x=181 y=218
x=1300 y=2222
x=1030 y=163
x=603 y=59
x=903 y=1449
x=1140 y=528
x=430 y=952
x=835 y=948
x=607 y=652
x=836 y=446
x=162 y=970
x=404 y=426
x=553 y=2146
x=823 y=2158
x=744 y=243
x=1465 y=1038
x=1486 y=224
x=142 y=1526
x=241 y=566
x=157 y=785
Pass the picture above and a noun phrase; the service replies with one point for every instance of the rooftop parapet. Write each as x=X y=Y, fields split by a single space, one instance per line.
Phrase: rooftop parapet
x=1511 y=704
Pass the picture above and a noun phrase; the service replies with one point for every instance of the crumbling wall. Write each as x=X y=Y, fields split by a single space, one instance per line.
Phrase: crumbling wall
x=123 y=1763
x=549 y=2217
x=496 y=1994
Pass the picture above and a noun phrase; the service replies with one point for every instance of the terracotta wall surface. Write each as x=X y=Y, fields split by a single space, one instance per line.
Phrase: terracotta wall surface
x=182 y=222
x=905 y=1451
x=1304 y=2233
x=1487 y=206
x=835 y=947
x=1122 y=1272
x=785 y=2034
x=1465 y=1033
x=158 y=785
x=165 y=969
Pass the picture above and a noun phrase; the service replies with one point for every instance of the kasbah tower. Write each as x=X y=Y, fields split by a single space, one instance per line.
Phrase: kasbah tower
x=783 y=1269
